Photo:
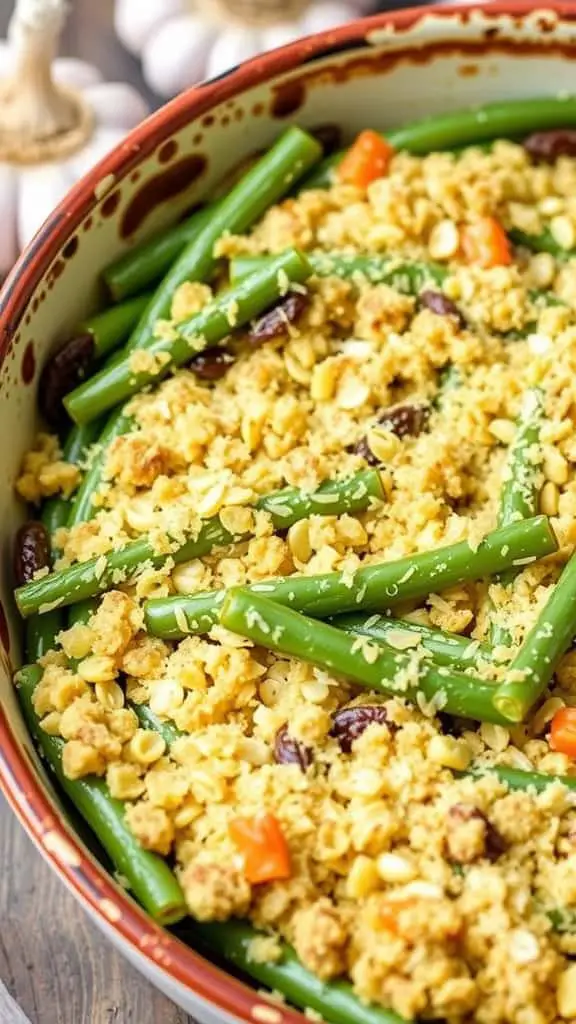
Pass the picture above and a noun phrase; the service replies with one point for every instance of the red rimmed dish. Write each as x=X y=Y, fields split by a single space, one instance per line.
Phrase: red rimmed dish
x=383 y=71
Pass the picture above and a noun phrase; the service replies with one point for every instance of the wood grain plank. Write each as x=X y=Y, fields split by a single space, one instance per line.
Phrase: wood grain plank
x=53 y=960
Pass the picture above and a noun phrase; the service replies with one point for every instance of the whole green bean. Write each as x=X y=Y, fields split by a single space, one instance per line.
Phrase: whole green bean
x=145 y=264
x=84 y=580
x=508 y=119
x=262 y=186
x=407 y=277
x=149 y=877
x=520 y=491
x=371 y=664
x=113 y=326
x=334 y=1000
x=372 y=587
x=531 y=670
x=449 y=649
x=83 y=508
x=229 y=310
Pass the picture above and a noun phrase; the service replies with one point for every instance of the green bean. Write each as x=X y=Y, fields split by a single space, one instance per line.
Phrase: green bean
x=529 y=673
x=231 y=309
x=408 y=277
x=83 y=508
x=449 y=649
x=262 y=186
x=508 y=119
x=519 y=495
x=113 y=326
x=149 y=720
x=334 y=1000
x=516 y=778
x=84 y=580
x=375 y=665
x=149 y=877
x=144 y=265
x=544 y=242
x=372 y=587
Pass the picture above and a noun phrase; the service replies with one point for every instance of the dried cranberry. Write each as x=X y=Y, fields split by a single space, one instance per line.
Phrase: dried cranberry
x=31 y=551
x=275 y=322
x=494 y=844
x=407 y=420
x=329 y=136
x=289 y=751
x=546 y=147
x=440 y=304
x=349 y=723
x=61 y=374
x=211 y=365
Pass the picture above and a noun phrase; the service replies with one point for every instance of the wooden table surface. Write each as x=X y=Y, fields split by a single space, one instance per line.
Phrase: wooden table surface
x=53 y=961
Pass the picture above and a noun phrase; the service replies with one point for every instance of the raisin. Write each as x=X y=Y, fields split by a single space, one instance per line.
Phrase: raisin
x=275 y=322
x=407 y=420
x=31 y=551
x=440 y=304
x=546 y=147
x=329 y=136
x=349 y=723
x=289 y=751
x=363 y=449
x=493 y=843
x=61 y=374
x=211 y=365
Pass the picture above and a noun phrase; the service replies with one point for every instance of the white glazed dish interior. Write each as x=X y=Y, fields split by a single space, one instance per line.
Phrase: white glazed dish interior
x=385 y=71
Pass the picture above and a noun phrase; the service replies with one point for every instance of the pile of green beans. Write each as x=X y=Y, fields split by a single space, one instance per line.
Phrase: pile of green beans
x=371 y=587
x=373 y=650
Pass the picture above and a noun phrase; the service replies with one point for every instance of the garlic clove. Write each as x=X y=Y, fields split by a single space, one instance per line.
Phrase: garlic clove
x=232 y=46
x=40 y=189
x=8 y=209
x=279 y=35
x=116 y=104
x=176 y=57
x=103 y=140
x=76 y=74
x=327 y=15
x=136 y=21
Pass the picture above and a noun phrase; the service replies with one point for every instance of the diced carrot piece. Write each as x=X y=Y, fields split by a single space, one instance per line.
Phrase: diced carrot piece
x=563 y=732
x=485 y=243
x=368 y=158
x=263 y=847
x=389 y=910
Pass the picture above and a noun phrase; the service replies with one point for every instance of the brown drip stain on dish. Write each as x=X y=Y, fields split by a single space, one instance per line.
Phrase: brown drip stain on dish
x=135 y=176
x=4 y=631
x=288 y=97
x=71 y=248
x=163 y=186
x=28 y=366
x=87 y=224
x=54 y=272
x=258 y=109
x=167 y=152
x=197 y=139
x=110 y=204
x=469 y=70
x=208 y=120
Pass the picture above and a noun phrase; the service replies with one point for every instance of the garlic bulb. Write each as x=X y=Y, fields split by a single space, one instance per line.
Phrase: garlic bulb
x=181 y=42
x=57 y=119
